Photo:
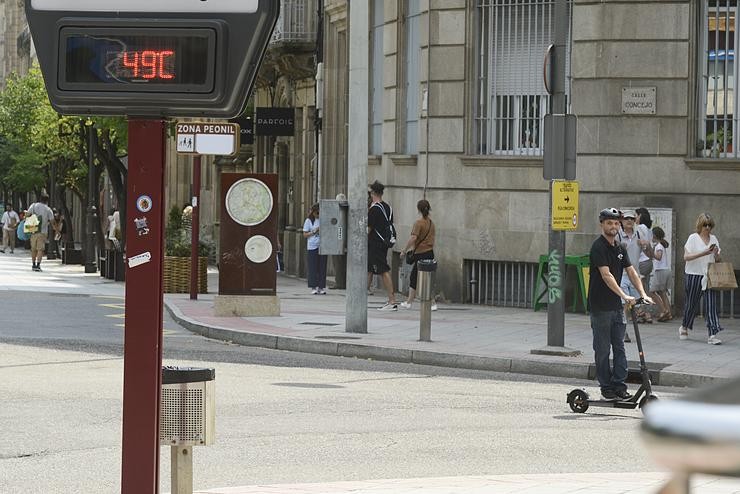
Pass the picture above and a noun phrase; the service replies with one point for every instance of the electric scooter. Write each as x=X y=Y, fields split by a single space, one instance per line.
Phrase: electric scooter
x=579 y=401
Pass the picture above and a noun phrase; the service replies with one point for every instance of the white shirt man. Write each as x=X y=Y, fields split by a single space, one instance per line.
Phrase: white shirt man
x=10 y=222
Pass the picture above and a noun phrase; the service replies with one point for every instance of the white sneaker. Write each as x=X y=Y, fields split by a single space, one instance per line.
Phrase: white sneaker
x=434 y=306
x=405 y=305
x=322 y=291
x=315 y=291
x=389 y=307
x=683 y=333
x=713 y=340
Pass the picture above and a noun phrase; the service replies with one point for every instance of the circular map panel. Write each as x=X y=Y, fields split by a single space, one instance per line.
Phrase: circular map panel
x=258 y=249
x=249 y=201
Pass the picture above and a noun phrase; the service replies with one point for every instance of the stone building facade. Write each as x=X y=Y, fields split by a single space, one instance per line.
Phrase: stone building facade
x=456 y=103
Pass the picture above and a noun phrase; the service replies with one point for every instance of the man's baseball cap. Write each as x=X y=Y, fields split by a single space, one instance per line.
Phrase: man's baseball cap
x=629 y=214
x=610 y=214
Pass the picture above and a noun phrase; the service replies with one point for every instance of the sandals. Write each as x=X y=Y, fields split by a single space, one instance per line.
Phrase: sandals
x=665 y=317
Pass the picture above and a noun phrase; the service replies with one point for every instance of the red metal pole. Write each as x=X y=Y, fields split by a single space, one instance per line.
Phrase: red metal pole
x=142 y=363
x=195 y=227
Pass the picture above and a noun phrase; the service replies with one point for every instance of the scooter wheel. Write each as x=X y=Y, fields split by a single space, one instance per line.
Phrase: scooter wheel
x=578 y=400
x=645 y=402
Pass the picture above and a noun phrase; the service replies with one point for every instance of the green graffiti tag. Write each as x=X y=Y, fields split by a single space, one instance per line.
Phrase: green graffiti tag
x=554 y=278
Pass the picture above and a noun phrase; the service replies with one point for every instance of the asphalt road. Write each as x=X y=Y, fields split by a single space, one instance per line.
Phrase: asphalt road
x=283 y=417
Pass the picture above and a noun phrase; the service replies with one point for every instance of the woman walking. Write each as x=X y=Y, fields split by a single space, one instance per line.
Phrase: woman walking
x=420 y=243
x=316 y=262
x=701 y=250
x=661 y=275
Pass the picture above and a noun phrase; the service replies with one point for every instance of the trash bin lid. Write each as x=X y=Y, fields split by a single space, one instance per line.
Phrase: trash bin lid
x=177 y=375
x=426 y=265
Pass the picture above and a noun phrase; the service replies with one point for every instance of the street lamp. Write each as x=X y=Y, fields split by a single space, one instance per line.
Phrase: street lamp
x=91 y=265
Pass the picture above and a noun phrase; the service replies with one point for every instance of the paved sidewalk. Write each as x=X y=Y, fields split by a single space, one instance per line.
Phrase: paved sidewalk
x=467 y=336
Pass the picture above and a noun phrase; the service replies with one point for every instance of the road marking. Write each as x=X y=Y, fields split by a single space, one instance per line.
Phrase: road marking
x=113 y=306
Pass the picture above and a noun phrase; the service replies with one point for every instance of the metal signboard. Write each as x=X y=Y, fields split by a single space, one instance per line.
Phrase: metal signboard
x=191 y=58
x=246 y=129
x=275 y=121
x=560 y=147
x=207 y=138
x=638 y=100
x=564 y=205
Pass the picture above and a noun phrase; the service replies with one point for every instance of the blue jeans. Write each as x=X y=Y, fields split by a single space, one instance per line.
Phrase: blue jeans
x=608 y=328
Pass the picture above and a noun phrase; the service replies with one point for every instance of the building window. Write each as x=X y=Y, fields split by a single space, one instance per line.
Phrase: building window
x=376 y=78
x=510 y=96
x=412 y=52
x=717 y=87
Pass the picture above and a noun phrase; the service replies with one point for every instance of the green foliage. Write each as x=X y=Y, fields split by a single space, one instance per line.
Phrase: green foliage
x=34 y=136
x=177 y=237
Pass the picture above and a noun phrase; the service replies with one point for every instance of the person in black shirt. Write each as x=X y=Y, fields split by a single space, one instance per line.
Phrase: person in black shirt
x=608 y=260
x=378 y=216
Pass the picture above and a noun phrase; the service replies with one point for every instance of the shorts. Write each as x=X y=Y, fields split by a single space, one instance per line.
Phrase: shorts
x=38 y=241
x=661 y=280
x=628 y=287
x=377 y=259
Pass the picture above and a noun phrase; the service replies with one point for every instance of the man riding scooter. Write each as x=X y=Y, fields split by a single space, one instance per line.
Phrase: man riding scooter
x=608 y=261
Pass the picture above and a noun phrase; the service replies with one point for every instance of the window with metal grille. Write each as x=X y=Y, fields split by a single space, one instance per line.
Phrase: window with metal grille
x=510 y=96
x=717 y=105
x=504 y=283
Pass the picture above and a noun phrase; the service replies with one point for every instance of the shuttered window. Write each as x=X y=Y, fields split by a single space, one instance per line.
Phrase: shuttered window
x=717 y=104
x=376 y=78
x=510 y=97
x=412 y=50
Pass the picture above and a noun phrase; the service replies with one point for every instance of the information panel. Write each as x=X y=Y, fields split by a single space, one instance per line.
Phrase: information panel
x=564 y=205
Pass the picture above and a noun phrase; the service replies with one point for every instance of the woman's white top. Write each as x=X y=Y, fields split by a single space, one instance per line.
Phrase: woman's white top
x=663 y=262
x=644 y=234
x=700 y=265
x=314 y=240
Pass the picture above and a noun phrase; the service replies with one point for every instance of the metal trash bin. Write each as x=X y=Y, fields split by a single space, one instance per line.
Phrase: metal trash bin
x=426 y=268
x=188 y=402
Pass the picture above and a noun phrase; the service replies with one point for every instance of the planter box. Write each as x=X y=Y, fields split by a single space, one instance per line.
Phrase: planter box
x=177 y=274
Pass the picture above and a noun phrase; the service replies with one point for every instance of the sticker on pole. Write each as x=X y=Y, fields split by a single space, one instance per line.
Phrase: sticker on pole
x=139 y=259
x=564 y=205
x=207 y=138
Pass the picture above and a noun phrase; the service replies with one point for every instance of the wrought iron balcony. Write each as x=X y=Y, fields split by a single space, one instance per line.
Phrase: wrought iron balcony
x=297 y=23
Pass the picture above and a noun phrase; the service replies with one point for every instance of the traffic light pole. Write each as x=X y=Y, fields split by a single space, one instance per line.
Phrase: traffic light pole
x=142 y=351
x=195 y=229
x=556 y=238
x=356 y=303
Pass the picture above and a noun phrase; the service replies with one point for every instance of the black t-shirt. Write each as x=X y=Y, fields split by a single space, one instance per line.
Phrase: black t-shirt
x=600 y=296
x=376 y=221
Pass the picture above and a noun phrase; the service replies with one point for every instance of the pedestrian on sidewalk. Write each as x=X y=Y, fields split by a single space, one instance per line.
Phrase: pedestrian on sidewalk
x=316 y=262
x=56 y=231
x=629 y=237
x=662 y=275
x=419 y=246
x=380 y=237
x=10 y=222
x=701 y=250
x=609 y=260
x=38 y=239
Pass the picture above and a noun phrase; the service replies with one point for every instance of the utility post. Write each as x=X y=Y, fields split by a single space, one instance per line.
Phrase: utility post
x=559 y=144
x=356 y=303
x=92 y=214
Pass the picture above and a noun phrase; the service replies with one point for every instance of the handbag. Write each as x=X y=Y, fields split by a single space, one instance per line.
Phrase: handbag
x=721 y=276
x=410 y=253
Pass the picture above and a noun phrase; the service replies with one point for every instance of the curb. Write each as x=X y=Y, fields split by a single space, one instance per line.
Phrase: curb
x=571 y=370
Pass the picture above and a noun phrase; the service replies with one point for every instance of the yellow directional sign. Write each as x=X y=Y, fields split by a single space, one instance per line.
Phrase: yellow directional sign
x=564 y=205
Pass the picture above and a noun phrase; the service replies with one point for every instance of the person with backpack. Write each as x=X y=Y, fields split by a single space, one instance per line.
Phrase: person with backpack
x=39 y=234
x=380 y=237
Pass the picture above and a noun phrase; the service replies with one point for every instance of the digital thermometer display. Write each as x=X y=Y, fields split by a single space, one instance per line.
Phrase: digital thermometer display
x=138 y=59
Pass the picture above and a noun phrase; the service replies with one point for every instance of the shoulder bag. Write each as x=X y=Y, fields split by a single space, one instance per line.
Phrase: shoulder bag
x=410 y=253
